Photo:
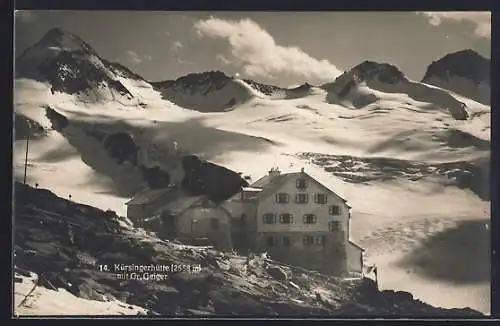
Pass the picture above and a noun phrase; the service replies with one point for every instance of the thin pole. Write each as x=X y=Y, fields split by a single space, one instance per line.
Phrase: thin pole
x=27 y=146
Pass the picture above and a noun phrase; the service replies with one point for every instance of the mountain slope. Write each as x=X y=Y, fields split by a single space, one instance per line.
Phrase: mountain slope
x=67 y=250
x=465 y=72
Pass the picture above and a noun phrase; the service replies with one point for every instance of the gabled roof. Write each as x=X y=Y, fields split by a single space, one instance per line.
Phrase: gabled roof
x=271 y=184
x=181 y=203
x=356 y=245
x=148 y=195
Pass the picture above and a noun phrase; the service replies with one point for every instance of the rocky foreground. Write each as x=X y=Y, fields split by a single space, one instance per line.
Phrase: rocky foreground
x=74 y=248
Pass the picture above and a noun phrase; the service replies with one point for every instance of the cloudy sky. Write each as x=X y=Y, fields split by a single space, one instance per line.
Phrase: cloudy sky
x=282 y=48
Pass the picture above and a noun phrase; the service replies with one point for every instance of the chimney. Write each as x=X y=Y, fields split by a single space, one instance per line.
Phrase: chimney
x=274 y=172
x=302 y=170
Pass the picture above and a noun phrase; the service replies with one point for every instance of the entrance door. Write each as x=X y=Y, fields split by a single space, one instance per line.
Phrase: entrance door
x=197 y=227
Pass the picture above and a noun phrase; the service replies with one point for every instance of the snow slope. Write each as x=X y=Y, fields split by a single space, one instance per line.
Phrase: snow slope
x=441 y=147
x=45 y=302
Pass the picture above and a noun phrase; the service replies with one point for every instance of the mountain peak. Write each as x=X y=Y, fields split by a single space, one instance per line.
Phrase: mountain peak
x=212 y=77
x=55 y=32
x=465 y=63
x=386 y=73
x=57 y=38
x=466 y=53
x=212 y=74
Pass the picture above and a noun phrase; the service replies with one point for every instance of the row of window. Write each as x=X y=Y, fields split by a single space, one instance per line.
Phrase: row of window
x=302 y=198
x=288 y=218
x=286 y=241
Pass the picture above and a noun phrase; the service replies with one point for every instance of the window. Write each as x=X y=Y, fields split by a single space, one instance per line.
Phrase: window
x=286 y=218
x=309 y=219
x=282 y=198
x=302 y=198
x=302 y=183
x=320 y=199
x=334 y=226
x=270 y=241
x=214 y=222
x=308 y=240
x=269 y=218
x=334 y=210
x=319 y=240
x=287 y=242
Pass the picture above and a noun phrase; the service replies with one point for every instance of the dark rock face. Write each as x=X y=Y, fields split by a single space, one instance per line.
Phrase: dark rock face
x=263 y=88
x=155 y=177
x=475 y=176
x=388 y=300
x=72 y=72
x=467 y=64
x=205 y=178
x=467 y=175
x=121 y=146
x=204 y=82
x=385 y=73
x=59 y=122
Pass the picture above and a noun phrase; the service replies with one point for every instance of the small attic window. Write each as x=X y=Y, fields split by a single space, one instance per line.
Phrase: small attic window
x=302 y=183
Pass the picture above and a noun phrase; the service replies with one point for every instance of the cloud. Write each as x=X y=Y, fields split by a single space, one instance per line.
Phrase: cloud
x=24 y=16
x=176 y=46
x=256 y=52
x=134 y=58
x=480 y=19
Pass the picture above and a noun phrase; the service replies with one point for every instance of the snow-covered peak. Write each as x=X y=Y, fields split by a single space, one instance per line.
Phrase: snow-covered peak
x=208 y=91
x=70 y=65
x=365 y=72
x=465 y=72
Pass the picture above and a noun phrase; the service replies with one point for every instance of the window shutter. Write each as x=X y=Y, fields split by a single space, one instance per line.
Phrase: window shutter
x=326 y=198
x=276 y=198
